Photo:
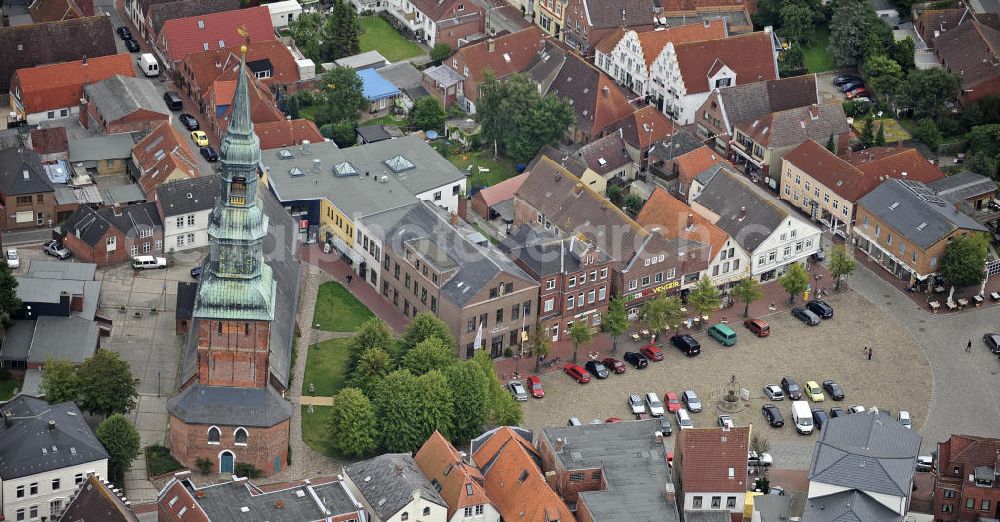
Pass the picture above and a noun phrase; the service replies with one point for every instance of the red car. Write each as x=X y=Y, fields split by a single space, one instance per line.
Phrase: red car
x=758 y=327
x=673 y=402
x=614 y=365
x=535 y=387
x=860 y=91
x=577 y=372
x=652 y=352
x=612 y=420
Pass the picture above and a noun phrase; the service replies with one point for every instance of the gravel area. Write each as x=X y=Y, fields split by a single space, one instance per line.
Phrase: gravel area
x=898 y=377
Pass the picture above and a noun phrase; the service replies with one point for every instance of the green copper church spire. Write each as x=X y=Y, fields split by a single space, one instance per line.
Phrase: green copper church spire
x=235 y=282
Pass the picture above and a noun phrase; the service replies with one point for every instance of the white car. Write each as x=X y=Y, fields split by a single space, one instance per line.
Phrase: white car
x=684 y=421
x=13 y=260
x=761 y=459
x=518 y=391
x=725 y=421
x=655 y=406
x=148 y=262
x=636 y=405
x=905 y=420
x=774 y=392
x=856 y=409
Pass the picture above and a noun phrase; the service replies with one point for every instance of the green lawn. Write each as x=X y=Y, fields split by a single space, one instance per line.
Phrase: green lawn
x=337 y=310
x=499 y=170
x=388 y=119
x=7 y=387
x=314 y=431
x=817 y=55
x=326 y=367
x=378 y=35
x=893 y=130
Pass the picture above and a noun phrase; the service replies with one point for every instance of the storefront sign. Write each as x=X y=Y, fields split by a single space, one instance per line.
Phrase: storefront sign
x=650 y=291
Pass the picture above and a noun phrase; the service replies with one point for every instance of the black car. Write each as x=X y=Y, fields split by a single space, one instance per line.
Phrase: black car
x=773 y=415
x=992 y=340
x=819 y=417
x=686 y=344
x=636 y=359
x=131 y=45
x=805 y=315
x=597 y=369
x=834 y=389
x=173 y=101
x=851 y=85
x=190 y=122
x=209 y=154
x=665 y=426
x=820 y=308
x=123 y=32
x=196 y=272
x=791 y=388
x=846 y=78
x=837 y=411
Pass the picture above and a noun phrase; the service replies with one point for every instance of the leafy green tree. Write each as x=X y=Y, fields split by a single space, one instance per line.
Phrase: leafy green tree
x=502 y=106
x=880 y=135
x=436 y=406
x=748 y=290
x=106 y=384
x=926 y=90
x=121 y=441
x=963 y=261
x=662 y=313
x=310 y=36
x=470 y=399
x=615 y=321
x=397 y=402
x=928 y=133
x=373 y=364
x=903 y=53
x=440 y=51
x=841 y=264
x=878 y=39
x=9 y=302
x=424 y=326
x=831 y=145
x=541 y=344
x=792 y=62
x=850 y=25
x=579 y=333
x=868 y=133
x=983 y=111
x=430 y=354
x=794 y=281
x=342 y=94
x=798 y=22
x=352 y=424
x=544 y=124
x=633 y=203
x=503 y=409
x=427 y=114
x=884 y=75
x=343 y=30
x=342 y=133
x=704 y=297
x=985 y=139
x=374 y=333
x=59 y=382
x=614 y=193
x=768 y=14
x=982 y=163
x=507 y=411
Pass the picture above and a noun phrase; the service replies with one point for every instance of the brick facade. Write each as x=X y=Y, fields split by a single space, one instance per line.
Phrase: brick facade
x=122 y=251
x=233 y=353
x=189 y=442
x=41 y=205
x=956 y=497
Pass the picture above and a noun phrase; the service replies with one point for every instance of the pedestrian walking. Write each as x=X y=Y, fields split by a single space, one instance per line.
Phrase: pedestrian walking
x=870 y=353
x=349 y=279
x=866 y=352
x=968 y=346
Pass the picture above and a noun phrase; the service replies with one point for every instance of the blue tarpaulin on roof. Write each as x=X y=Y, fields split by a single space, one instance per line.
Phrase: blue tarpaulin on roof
x=376 y=87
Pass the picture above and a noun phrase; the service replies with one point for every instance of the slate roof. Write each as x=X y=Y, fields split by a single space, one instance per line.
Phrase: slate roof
x=30 y=444
x=403 y=75
x=633 y=464
x=182 y=36
x=606 y=154
x=185 y=196
x=460 y=481
x=941 y=20
x=707 y=454
x=205 y=67
x=35 y=342
x=388 y=482
x=570 y=162
x=120 y=96
x=794 y=126
x=673 y=215
x=53 y=86
x=847 y=506
x=49 y=140
x=750 y=56
x=972 y=50
x=962 y=186
x=749 y=101
x=159 y=13
x=915 y=212
x=186 y=292
x=645 y=127
x=226 y=501
x=90 y=225
x=681 y=142
x=601 y=14
x=596 y=99
x=288 y=133
x=230 y=406
x=513 y=53
x=95 y=501
x=21 y=172
x=544 y=253
x=725 y=194
x=30 y=45
x=111 y=146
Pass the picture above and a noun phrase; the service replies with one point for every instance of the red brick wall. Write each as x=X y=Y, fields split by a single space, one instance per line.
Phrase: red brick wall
x=233 y=353
x=188 y=442
x=46 y=207
x=566 y=488
x=988 y=88
x=98 y=254
x=452 y=34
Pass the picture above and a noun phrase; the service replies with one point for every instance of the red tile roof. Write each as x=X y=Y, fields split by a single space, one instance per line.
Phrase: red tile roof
x=679 y=221
x=205 y=67
x=969 y=452
x=894 y=162
x=645 y=127
x=461 y=482
x=834 y=173
x=695 y=162
x=750 y=56
x=502 y=191
x=512 y=53
x=183 y=36
x=54 y=10
x=652 y=42
x=263 y=108
x=161 y=153
x=274 y=134
x=60 y=85
x=50 y=140
x=706 y=456
x=438 y=10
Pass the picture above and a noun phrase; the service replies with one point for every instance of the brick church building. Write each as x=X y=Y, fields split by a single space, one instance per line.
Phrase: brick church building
x=230 y=407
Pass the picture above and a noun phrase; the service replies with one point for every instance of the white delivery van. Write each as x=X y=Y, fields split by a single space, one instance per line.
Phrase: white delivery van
x=802 y=417
x=148 y=64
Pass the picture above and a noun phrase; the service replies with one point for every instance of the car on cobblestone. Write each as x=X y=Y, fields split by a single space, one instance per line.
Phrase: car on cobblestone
x=635 y=404
x=518 y=391
x=13 y=259
x=819 y=417
x=805 y=315
x=814 y=392
x=652 y=352
x=597 y=369
x=758 y=327
x=615 y=365
x=691 y=400
x=856 y=409
x=654 y=404
x=687 y=344
x=726 y=422
x=820 y=308
x=992 y=341
x=759 y=459
x=791 y=387
x=925 y=463
x=673 y=402
x=905 y=420
x=56 y=249
x=577 y=373
x=837 y=411
x=834 y=389
x=684 y=421
x=773 y=392
x=535 y=387
x=665 y=427
x=636 y=359
x=772 y=415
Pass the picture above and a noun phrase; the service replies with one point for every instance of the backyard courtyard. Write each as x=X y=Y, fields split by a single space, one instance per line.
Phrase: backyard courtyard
x=378 y=35
x=337 y=310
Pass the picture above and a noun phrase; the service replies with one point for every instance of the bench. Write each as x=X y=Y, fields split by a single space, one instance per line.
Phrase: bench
x=995 y=296
x=978 y=300
x=935 y=306
x=951 y=305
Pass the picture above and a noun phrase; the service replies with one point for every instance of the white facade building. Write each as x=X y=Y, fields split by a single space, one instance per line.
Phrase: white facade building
x=284 y=13
x=185 y=206
x=412 y=497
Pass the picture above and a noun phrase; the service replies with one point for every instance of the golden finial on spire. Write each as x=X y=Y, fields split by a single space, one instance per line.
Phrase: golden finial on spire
x=246 y=37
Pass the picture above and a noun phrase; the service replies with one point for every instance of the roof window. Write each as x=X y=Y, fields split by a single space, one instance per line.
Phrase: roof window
x=399 y=164
x=344 y=169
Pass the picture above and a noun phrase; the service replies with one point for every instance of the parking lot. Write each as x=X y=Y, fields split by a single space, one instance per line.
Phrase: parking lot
x=898 y=376
x=827 y=91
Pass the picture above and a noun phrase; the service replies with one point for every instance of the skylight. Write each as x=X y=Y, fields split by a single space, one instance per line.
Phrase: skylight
x=285 y=154
x=922 y=226
x=894 y=205
x=344 y=169
x=296 y=172
x=398 y=164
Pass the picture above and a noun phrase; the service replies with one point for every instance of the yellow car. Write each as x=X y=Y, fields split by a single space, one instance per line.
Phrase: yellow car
x=200 y=138
x=814 y=392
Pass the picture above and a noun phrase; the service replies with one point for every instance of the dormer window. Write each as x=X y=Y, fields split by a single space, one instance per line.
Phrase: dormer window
x=723 y=82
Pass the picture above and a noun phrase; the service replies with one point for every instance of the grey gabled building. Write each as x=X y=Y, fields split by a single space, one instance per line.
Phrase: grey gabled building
x=392 y=487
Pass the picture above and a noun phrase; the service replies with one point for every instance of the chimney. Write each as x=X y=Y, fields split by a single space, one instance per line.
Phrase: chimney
x=707 y=23
x=768 y=29
x=743 y=213
x=690 y=221
x=52 y=425
x=199 y=494
x=559 y=445
x=117 y=209
x=669 y=494
x=278 y=504
x=491 y=45
x=84 y=60
x=454 y=219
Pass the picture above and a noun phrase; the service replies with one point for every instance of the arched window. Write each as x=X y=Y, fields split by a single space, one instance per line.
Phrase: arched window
x=240 y=436
x=213 y=435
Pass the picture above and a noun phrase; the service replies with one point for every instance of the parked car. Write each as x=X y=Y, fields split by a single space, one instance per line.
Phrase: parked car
x=173 y=100
x=518 y=391
x=834 y=389
x=199 y=138
x=686 y=344
x=652 y=352
x=722 y=333
x=851 y=85
x=759 y=459
x=820 y=308
x=597 y=369
x=904 y=419
x=13 y=260
x=803 y=314
x=684 y=421
x=615 y=365
x=56 y=249
x=819 y=417
x=148 y=262
x=673 y=402
x=196 y=272
x=791 y=387
x=773 y=392
x=132 y=45
x=860 y=92
x=992 y=341
x=818 y=256
x=925 y=463
x=123 y=32
x=862 y=100
x=636 y=359
x=209 y=154
x=772 y=415
x=535 y=387
x=726 y=422
x=612 y=420
x=635 y=404
x=846 y=78
x=573 y=421
x=814 y=392
x=758 y=327
x=577 y=373
x=190 y=122
x=691 y=400
x=837 y=411
x=855 y=409
x=654 y=404
x=665 y=427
